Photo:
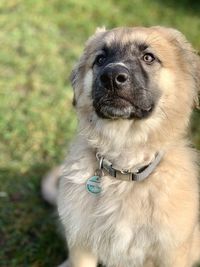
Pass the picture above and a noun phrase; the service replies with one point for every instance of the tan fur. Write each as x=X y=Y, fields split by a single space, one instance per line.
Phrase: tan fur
x=135 y=224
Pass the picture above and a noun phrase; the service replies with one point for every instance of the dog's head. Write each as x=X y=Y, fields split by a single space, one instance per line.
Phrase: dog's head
x=136 y=73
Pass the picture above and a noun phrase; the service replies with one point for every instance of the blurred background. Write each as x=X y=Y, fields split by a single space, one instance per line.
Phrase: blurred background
x=40 y=41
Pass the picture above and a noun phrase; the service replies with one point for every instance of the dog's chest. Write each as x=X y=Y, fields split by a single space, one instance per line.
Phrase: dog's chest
x=125 y=240
x=116 y=226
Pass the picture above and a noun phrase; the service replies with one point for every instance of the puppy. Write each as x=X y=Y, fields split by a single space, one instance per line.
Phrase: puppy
x=128 y=194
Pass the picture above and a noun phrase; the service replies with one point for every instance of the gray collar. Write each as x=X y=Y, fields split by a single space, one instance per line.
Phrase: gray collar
x=126 y=175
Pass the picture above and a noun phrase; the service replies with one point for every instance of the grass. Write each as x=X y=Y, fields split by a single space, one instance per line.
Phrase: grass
x=39 y=43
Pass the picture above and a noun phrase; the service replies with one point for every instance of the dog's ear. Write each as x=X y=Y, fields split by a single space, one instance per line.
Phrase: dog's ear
x=191 y=57
x=193 y=60
x=73 y=78
x=197 y=80
x=77 y=70
x=76 y=76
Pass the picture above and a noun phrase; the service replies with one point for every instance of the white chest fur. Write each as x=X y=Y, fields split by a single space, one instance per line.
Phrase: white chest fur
x=111 y=224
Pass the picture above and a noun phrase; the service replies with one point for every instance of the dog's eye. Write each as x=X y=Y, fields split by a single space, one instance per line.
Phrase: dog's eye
x=148 y=58
x=100 y=59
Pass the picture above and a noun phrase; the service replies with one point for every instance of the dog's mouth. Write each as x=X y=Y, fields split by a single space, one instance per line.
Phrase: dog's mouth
x=121 y=108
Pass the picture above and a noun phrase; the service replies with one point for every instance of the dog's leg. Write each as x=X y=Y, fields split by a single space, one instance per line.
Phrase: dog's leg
x=79 y=257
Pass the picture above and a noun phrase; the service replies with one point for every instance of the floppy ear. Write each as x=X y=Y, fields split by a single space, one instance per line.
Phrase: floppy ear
x=193 y=60
x=76 y=72
x=197 y=80
x=194 y=68
x=191 y=57
x=73 y=78
x=76 y=76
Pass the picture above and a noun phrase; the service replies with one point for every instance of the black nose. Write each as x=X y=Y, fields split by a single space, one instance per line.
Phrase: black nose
x=114 y=76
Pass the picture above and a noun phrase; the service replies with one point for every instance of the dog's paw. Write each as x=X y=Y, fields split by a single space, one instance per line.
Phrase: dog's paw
x=65 y=264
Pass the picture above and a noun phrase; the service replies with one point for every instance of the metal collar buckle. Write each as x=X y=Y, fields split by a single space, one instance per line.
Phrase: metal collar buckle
x=125 y=171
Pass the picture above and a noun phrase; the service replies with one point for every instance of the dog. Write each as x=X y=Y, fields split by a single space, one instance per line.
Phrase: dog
x=128 y=194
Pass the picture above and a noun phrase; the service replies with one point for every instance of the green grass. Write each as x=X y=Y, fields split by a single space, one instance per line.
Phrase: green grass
x=39 y=43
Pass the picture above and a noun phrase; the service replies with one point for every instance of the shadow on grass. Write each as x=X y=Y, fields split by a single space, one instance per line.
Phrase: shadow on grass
x=29 y=234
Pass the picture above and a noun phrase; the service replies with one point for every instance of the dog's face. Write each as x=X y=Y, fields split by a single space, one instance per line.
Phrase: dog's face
x=135 y=73
x=124 y=80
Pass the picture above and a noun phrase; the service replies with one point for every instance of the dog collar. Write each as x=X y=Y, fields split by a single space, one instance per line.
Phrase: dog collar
x=126 y=175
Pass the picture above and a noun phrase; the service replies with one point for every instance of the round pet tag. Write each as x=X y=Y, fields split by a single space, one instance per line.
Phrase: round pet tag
x=93 y=185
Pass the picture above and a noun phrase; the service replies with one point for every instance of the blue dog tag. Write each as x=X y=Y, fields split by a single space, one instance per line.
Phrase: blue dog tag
x=93 y=185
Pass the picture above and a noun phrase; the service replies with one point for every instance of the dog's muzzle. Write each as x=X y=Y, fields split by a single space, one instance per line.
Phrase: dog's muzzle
x=114 y=76
x=121 y=92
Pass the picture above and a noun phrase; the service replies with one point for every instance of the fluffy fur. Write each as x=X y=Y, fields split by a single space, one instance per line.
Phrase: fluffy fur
x=135 y=224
